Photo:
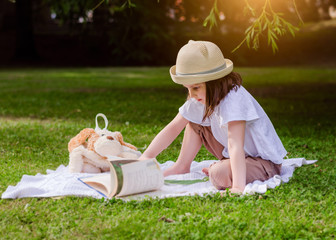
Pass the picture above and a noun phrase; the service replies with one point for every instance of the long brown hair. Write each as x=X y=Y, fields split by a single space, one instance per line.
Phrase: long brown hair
x=216 y=90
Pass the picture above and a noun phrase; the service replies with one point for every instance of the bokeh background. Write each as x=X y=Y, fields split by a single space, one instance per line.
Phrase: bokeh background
x=70 y=33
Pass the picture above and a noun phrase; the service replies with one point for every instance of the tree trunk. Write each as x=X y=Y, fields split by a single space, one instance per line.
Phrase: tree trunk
x=25 y=44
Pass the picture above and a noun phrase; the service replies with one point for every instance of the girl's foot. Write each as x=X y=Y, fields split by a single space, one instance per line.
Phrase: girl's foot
x=175 y=170
x=206 y=171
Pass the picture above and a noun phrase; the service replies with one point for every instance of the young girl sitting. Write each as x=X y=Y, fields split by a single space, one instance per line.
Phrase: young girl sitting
x=224 y=117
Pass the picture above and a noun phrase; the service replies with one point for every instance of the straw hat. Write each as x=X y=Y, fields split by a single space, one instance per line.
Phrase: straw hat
x=200 y=61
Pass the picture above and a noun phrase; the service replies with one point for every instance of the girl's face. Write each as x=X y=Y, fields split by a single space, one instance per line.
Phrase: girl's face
x=197 y=91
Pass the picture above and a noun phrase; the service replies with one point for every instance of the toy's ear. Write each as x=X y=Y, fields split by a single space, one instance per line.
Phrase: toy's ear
x=80 y=138
x=91 y=141
x=119 y=137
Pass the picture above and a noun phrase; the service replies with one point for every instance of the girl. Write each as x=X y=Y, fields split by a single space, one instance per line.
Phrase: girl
x=224 y=117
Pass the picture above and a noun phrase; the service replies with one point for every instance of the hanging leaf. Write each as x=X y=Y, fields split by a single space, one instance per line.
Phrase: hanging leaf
x=267 y=21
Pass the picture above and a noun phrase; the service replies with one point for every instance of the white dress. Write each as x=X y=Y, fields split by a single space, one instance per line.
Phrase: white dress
x=261 y=139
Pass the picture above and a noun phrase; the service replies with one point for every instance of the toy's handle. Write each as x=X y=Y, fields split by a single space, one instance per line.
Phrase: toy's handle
x=97 y=125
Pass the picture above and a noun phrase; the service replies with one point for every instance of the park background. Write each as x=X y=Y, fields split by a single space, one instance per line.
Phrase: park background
x=61 y=63
x=69 y=33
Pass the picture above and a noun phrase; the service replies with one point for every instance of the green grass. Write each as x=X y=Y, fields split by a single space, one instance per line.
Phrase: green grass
x=41 y=109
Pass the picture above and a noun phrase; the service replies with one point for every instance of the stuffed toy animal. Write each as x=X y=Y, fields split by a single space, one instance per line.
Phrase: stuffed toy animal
x=90 y=149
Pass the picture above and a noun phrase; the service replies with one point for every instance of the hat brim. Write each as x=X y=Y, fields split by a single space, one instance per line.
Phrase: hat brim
x=200 y=78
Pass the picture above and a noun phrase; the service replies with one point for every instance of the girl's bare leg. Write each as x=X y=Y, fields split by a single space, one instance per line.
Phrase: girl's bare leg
x=191 y=144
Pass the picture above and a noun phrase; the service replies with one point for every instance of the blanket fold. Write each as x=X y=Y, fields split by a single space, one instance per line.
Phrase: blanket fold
x=61 y=182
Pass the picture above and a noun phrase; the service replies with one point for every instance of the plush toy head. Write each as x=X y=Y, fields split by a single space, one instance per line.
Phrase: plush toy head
x=107 y=146
x=89 y=147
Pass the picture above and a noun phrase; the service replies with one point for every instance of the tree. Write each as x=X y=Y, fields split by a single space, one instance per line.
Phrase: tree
x=25 y=44
x=260 y=18
x=132 y=32
x=136 y=31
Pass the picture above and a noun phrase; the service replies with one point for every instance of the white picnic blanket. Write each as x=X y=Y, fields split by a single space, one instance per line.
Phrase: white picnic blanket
x=61 y=182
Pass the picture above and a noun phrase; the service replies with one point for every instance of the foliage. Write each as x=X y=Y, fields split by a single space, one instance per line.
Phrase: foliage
x=277 y=26
x=131 y=32
x=135 y=32
x=41 y=109
x=140 y=33
x=264 y=19
x=69 y=11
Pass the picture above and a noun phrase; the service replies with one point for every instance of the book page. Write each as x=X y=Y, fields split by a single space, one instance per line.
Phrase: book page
x=101 y=183
x=123 y=160
x=106 y=184
x=141 y=176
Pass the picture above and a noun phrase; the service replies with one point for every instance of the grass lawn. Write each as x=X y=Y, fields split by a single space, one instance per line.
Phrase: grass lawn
x=41 y=109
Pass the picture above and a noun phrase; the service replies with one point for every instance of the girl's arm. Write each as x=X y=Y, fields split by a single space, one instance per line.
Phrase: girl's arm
x=236 y=136
x=165 y=137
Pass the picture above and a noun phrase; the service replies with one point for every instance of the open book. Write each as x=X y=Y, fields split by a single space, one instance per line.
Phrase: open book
x=127 y=177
